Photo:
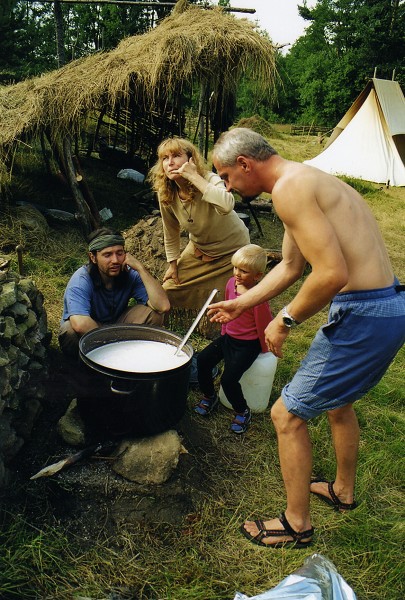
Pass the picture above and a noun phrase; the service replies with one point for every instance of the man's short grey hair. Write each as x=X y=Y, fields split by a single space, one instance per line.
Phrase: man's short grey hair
x=241 y=141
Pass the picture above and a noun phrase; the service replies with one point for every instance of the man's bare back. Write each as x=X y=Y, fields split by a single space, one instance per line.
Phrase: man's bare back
x=353 y=224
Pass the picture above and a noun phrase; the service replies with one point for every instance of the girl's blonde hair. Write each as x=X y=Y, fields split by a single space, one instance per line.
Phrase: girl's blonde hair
x=164 y=187
x=252 y=258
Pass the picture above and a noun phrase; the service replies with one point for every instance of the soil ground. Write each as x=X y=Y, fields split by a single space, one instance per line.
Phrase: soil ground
x=66 y=497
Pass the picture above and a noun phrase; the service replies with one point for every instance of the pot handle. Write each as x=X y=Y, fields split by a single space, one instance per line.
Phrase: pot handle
x=118 y=390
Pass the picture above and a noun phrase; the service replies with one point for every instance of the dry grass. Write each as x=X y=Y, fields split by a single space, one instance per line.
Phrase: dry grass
x=197 y=45
x=388 y=207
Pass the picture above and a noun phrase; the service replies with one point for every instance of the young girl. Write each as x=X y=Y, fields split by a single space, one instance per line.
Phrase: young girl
x=240 y=342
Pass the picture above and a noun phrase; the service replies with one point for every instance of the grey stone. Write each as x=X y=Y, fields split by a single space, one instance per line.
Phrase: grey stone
x=21 y=379
x=8 y=295
x=18 y=309
x=27 y=286
x=4 y=358
x=20 y=340
x=10 y=327
x=23 y=359
x=31 y=319
x=71 y=427
x=149 y=460
x=23 y=297
x=39 y=352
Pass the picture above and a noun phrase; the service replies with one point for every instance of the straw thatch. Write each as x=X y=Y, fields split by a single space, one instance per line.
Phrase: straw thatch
x=145 y=79
x=196 y=45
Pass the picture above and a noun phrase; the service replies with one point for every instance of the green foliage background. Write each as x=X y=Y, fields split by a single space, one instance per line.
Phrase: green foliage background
x=320 y=75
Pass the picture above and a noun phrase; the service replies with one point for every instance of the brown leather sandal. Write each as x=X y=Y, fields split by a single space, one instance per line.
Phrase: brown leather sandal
x=299 y=538
x=333 y=500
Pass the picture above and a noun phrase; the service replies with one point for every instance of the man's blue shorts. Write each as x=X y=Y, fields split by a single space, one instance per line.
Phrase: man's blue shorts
x=349 y=354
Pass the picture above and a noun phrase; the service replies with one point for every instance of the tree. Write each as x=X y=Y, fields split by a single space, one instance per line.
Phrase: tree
x=36 y=37
x=14 y=41
x=27 y=39
x=345 y=42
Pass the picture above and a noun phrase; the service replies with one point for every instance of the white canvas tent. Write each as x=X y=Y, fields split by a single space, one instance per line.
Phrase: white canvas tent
x=369 y=141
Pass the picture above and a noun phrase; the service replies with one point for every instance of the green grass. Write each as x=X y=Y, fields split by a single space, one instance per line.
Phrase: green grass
x=205 y=557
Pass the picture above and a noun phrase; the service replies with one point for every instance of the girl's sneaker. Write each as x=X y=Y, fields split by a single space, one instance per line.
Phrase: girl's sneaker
x=206 y=405
x=241 y=422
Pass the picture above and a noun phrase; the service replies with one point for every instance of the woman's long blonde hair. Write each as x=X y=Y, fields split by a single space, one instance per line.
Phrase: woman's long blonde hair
x=164 y=187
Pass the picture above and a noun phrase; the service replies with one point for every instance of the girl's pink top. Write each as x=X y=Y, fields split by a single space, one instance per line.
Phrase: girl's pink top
x=251 y=324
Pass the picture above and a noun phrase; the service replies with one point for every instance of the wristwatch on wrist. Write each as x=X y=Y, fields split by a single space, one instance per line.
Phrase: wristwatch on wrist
x=288 y=320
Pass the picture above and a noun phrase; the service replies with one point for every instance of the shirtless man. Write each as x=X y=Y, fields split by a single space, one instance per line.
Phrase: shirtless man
x=328 y=225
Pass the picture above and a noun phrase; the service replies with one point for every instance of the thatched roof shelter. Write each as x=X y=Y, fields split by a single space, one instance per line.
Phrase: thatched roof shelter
x=149 y=72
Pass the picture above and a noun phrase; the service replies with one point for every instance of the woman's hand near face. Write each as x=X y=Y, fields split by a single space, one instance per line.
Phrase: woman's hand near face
x=187 y=169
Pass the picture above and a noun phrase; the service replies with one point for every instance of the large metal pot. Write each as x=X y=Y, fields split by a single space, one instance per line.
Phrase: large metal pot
x=132 y=402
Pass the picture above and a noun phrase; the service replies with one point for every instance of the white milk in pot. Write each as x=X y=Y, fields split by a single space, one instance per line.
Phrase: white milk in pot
x=138 y=356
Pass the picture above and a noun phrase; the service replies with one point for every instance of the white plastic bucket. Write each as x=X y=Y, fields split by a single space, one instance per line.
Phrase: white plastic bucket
x=256 y=383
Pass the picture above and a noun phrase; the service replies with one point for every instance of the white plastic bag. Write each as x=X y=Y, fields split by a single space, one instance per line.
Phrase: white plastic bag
x=317 y=579
x=105 y=214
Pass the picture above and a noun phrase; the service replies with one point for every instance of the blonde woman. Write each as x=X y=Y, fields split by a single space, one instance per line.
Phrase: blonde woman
x=194 y=199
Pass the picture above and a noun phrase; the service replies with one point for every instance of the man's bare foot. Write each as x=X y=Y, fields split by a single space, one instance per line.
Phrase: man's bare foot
x=275 y=533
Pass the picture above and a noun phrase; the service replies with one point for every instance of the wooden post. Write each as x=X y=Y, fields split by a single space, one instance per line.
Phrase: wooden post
x=44 y=154
x=87 y=194
x=87 y=220
x=200 y=122
x=207 y=124
x=93 y=144
x=19 y=250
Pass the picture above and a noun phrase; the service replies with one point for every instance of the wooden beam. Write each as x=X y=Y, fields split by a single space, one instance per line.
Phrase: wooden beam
x=149 y=4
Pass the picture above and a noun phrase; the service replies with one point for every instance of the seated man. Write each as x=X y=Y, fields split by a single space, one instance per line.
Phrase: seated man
x=98 y=293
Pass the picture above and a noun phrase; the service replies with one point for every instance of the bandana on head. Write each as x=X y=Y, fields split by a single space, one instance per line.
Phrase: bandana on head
x=104 y=241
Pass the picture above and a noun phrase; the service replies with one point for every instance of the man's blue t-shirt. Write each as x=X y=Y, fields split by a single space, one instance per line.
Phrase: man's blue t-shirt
x=84 y=297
